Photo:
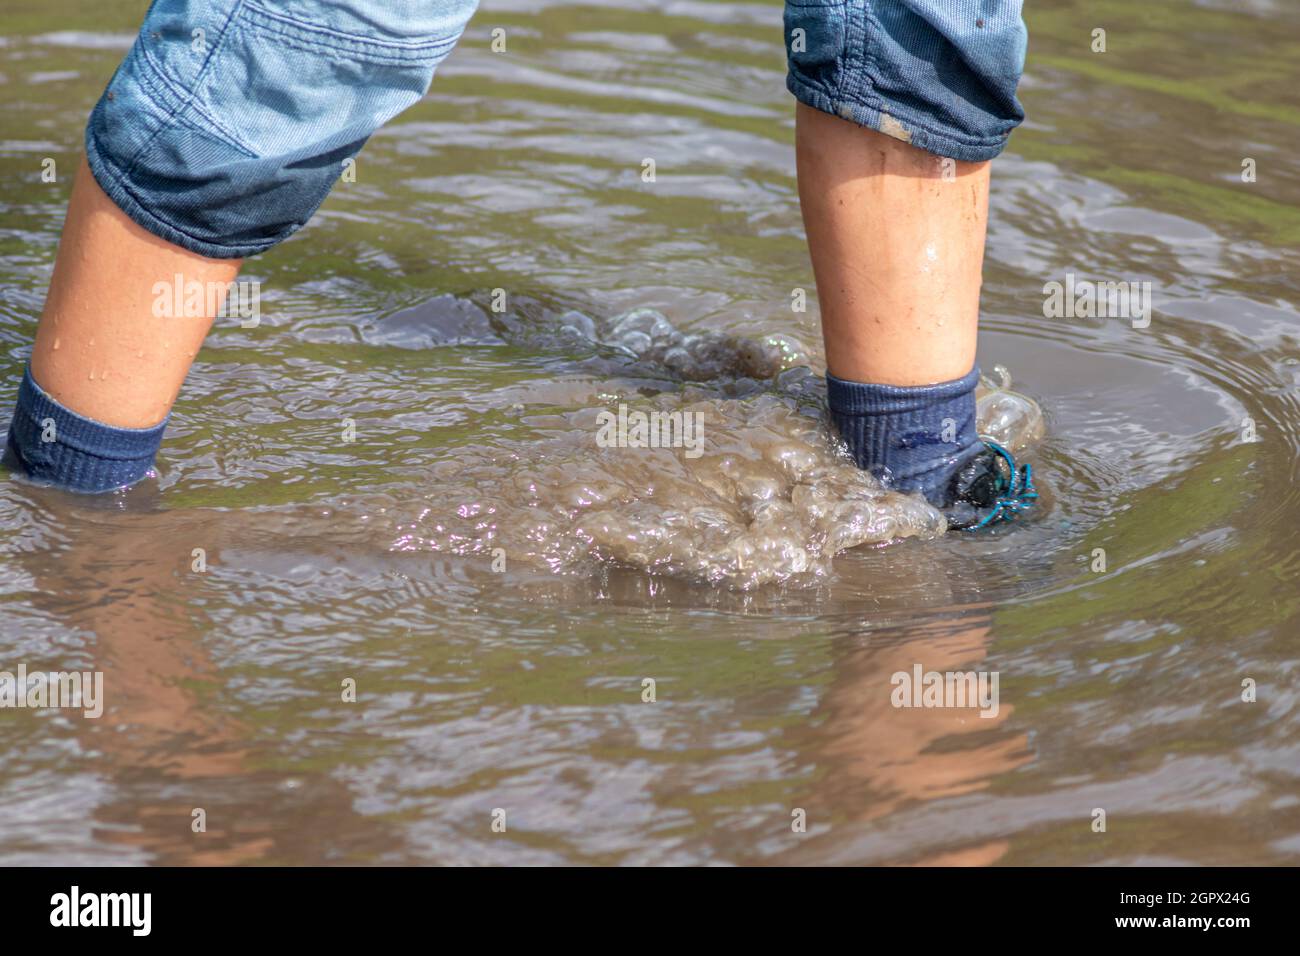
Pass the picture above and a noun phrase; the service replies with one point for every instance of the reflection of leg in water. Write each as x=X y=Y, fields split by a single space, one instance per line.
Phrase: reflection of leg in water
x=881 y=759
x=164 y=743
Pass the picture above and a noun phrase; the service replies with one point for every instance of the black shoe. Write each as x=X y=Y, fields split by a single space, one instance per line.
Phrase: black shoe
x=988 y=489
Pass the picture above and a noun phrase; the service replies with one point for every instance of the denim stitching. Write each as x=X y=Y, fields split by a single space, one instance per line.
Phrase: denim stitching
x=294 y=41
x=160 y=77
x=856 y=60
x=216 y=48
x=401 y=51
x=225 y=136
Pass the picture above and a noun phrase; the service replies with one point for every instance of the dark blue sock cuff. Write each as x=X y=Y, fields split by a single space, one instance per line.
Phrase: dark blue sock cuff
x=913 y=437
x=863 y=398
x=54 y=445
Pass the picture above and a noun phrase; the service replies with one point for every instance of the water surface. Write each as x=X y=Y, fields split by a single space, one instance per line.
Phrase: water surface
x=748 y=583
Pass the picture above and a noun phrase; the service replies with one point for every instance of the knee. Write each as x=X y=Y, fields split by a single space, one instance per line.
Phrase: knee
x=229 y=121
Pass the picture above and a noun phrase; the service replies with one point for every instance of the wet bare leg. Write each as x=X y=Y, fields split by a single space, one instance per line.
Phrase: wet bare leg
x=100 y=350
x=896 y=236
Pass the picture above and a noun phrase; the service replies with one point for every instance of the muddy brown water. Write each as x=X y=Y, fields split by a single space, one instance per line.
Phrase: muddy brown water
x=499 y=586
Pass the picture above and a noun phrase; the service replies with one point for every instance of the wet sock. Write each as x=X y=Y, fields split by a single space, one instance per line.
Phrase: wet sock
x=54 y=445
x=912 y=437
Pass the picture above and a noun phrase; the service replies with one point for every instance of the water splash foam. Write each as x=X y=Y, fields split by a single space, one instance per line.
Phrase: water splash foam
x=771 y=498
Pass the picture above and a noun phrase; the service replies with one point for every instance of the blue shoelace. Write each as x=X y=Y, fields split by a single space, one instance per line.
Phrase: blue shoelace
x=1019 y=495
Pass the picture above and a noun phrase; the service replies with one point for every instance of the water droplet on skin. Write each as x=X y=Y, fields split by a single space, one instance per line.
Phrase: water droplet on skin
x=140 y=354
x=56 y=345
x=92 y=374
x=92 y=341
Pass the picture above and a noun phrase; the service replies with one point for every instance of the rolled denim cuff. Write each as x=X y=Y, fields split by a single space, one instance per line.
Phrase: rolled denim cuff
x=53 y=445
x=938 y=74
x=227 y=124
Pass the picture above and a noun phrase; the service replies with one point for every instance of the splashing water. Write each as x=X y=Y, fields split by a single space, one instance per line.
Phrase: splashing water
x=766 y=493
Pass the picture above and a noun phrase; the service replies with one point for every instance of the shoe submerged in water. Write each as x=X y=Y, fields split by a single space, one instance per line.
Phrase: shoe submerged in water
x=988 y=489
x=953 y=442
x=991 y=487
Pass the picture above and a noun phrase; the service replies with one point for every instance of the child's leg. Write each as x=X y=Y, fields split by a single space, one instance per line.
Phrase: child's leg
x=100 y=349
x=902 y=105
x=897 y=249
x=220 y=134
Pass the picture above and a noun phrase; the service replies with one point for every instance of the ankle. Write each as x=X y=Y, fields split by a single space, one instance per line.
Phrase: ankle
x=911 y=437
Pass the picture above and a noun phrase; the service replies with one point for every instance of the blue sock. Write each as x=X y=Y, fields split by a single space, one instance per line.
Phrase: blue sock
x=54 y=445
x=912 y=437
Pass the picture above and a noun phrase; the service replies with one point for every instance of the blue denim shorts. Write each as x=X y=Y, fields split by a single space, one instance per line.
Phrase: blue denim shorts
x=229 y=121
x=939 y=74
